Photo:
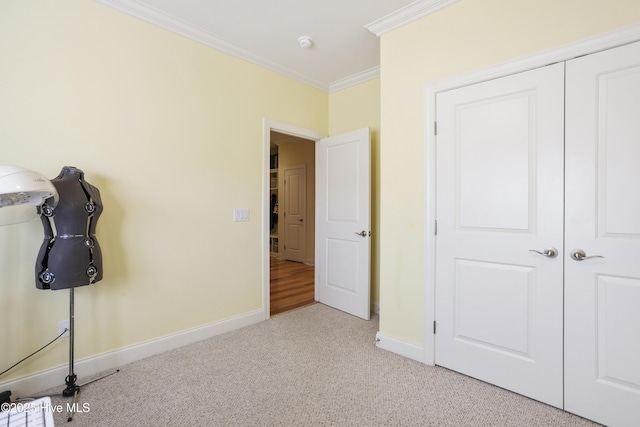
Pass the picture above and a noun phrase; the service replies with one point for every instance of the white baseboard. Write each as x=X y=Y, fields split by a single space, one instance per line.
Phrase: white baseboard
x=34 y=383
x=400 y=347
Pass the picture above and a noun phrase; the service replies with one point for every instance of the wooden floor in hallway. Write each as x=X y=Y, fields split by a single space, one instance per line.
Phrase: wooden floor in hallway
x=292 y=285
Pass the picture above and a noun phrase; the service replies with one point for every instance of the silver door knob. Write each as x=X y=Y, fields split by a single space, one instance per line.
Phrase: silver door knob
x=580 y=255
x=362 y=233
x=549 y=252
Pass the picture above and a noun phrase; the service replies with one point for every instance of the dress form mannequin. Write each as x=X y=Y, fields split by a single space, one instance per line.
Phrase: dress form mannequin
x=70 y=255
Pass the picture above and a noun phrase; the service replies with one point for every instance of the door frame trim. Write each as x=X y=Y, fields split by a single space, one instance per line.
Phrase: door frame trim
x=608 y=40
x=269 y=125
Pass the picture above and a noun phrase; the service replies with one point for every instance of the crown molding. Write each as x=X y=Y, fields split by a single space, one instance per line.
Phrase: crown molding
x=407 y=14
x=153 y=16
x=355 y=79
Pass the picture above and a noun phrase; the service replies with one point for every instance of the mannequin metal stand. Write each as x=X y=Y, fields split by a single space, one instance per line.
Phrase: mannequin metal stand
x=72 y=388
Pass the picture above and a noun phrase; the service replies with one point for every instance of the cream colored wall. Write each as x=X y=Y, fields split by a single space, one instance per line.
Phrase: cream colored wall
x=468 y=35
x=170 y=131
x=300 y=152
x=355 y=108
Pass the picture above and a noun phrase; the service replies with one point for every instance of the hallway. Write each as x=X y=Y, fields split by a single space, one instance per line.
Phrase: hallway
x=292 y=285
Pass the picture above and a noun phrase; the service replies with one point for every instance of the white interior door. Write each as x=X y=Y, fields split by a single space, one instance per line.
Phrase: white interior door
x=343 y=222
x=500 y=196
x=295 y=217
x=602 y=309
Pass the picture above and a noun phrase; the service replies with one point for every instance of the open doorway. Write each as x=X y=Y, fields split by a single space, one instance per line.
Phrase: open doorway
x=291 y=221
x=340 y=243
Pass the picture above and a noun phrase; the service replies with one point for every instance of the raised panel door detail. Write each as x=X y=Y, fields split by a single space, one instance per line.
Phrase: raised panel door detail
x=494 y=163
x=341 y=257
x=619 y=153
x=618 y=336
x=342 y=197
x=294 y=237
x=494 y=306
x=294 y=203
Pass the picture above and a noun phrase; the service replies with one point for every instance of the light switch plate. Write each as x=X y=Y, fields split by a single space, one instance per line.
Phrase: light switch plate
x=241 y=215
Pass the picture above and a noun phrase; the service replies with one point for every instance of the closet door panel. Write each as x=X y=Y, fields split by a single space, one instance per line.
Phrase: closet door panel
x=602 y=291
x=499 y=199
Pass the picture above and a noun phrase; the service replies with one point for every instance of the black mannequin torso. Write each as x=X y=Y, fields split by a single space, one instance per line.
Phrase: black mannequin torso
x=70 y=255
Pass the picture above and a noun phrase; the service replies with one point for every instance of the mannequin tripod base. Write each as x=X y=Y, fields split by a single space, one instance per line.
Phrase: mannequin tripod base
x=72 y=387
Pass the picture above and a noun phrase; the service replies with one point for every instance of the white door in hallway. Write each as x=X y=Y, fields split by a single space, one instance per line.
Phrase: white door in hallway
x=295 y=217
x=500 y=198
x=343 y=222
x=602 y=295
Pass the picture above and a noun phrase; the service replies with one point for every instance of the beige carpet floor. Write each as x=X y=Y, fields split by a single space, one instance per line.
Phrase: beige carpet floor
x=314 y=366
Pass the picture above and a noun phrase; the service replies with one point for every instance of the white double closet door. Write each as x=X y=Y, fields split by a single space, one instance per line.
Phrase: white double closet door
x=538 y=243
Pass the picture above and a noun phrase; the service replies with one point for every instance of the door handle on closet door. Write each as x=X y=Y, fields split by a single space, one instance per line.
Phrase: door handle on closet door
x=549 y=252
x=580 y=255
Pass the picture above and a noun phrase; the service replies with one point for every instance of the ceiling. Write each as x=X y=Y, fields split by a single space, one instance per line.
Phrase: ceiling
x=276 y=139
x=344 y=51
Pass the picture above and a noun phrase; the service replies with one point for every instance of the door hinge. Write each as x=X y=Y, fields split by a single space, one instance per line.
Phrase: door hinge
x=435 y=128
x=435 y=229
x=434 y=327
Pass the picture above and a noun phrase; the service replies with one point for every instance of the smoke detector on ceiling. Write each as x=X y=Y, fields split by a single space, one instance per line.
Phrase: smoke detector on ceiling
x=305 y=42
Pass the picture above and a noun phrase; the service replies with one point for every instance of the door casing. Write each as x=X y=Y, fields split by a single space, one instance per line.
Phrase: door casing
x=271 y=125
x=268 y=126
